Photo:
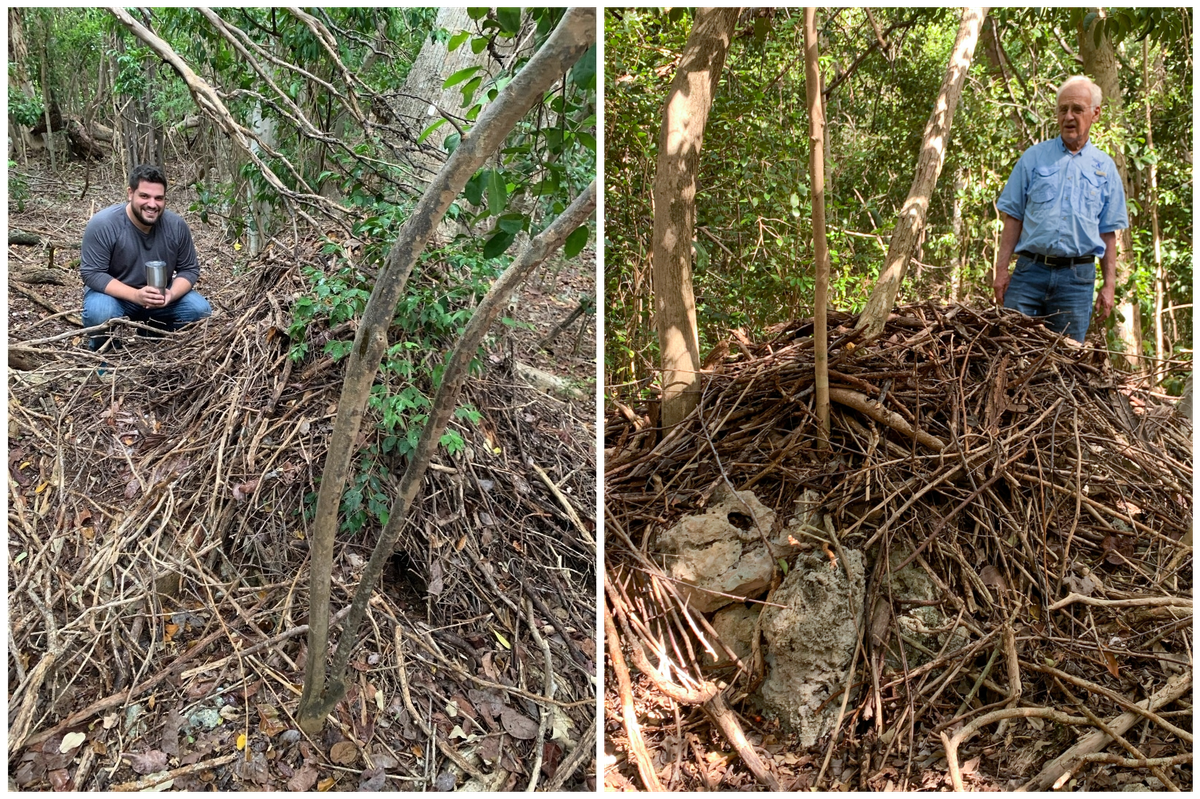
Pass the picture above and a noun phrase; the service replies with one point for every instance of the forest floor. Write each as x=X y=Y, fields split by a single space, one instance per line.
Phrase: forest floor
x=991 y=569
x=158 y=542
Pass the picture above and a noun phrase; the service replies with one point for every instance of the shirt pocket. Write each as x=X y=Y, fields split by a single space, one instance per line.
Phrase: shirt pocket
x=1043 y=187
x=1094 y=188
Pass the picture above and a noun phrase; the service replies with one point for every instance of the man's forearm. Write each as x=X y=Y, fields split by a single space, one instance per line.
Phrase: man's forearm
x=1009 y=237
x=1108 y=261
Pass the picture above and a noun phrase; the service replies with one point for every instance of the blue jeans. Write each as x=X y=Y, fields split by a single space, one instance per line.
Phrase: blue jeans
x=1063 y=295
x=98 y=308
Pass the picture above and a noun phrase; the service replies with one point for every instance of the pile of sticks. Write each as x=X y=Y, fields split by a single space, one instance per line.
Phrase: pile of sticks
x=159 y=522
x=1047 y=497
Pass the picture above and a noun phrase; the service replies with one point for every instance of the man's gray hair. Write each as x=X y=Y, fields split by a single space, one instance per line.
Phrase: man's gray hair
x=1097 y=95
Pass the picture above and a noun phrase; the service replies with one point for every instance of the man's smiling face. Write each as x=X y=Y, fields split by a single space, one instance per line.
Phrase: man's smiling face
x=146 y=202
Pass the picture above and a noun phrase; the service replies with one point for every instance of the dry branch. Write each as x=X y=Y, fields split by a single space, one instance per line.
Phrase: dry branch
x=1042 y=493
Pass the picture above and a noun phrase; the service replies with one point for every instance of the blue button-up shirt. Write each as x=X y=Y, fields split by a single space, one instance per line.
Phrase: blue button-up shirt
x=1064 y=200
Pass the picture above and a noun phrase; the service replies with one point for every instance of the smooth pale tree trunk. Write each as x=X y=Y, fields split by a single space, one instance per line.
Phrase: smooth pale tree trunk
x=816 y=116
x=929 y=165
x=1100 y=64
x=679 y=143
x=1160 y=277
x=18 y=75
x=423 y=86
x=259 y=229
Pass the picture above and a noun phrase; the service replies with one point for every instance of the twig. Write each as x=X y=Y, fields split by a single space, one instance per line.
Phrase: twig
x=418 y=719
x=1097 y=740
x=548 y=689
x=1150 y=601
x=159 y=777
x=633 y=730
x=1128 y=747
x=951 y=744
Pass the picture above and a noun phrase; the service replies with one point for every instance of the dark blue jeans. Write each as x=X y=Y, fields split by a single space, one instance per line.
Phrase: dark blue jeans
x=98 y=308
x=1063 y=295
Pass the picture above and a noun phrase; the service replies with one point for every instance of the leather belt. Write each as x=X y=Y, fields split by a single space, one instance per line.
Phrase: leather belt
x=1057 y=261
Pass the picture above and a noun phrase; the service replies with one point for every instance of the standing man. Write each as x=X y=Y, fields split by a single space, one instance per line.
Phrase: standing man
x=117 y=243
x=1062 y=208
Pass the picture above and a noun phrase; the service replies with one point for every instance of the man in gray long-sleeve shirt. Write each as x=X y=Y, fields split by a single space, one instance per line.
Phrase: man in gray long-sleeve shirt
x=117 y=243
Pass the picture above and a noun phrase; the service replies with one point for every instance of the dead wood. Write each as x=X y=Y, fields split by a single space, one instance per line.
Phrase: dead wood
x=1050 y=506
x=192 y=456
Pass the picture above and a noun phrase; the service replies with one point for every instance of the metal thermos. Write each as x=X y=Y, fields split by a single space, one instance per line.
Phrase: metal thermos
x=157 y=274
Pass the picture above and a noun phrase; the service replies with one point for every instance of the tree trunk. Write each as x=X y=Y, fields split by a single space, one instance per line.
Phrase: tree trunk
x=958 y=261
x=816 y=116
x=1152 y=203
x=679 y=141
x=574 y=35
x=1100 y=63
x=18 y=75
x=423 y=87
x=929 y=166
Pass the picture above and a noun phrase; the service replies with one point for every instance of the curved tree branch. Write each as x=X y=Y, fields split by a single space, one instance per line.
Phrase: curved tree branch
x=573 y=36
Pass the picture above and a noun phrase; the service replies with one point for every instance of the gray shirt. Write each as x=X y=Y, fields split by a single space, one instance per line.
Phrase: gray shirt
x=113 y=247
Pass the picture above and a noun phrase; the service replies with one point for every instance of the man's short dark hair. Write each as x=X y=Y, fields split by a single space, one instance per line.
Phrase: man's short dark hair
x=145 y=173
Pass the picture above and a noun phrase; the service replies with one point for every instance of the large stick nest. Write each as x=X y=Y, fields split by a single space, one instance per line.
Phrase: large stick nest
x=158 y=591
x=1044 y=494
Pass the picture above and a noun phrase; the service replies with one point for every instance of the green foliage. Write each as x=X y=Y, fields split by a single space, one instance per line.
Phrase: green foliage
x=18 y=186
x=542 y=166
x=444 y=289
x=753 y=252
x=23 y=109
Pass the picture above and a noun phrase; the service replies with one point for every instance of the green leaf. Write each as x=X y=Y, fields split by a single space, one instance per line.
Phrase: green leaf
x=497 y=193
x=477 y=13
x=456 y=41
x=583 y=74
x=478 y=44
x=575 y=241
x=425 y=133
x=511 y=223
x=497 y=244
x=474 y=188
x=468 y=89
x=460 y=76
x=451 y=142
x=509 y=19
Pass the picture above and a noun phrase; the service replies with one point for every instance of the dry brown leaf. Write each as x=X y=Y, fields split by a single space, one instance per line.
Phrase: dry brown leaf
x=1111 y=662
x=343 y=753
x=517 y=725
x=148 y=762
x=993 y=579
x=268 y=721
x=60 y=779
x=304 y=779
x=244 y=491
x=436 y=584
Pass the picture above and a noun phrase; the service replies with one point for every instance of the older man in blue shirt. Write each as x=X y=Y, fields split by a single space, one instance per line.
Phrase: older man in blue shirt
x=1062 y=208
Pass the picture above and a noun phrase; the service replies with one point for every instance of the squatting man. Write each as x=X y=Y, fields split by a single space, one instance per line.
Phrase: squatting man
x=1062 y=208
x=117 y=244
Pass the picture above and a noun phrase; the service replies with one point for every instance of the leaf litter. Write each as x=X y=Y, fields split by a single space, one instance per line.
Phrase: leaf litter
x=159 y=552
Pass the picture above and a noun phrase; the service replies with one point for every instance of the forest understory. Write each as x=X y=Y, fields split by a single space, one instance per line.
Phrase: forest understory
x=158 y=540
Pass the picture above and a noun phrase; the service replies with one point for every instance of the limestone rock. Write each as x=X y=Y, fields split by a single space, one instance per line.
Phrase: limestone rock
x=720 y=550
x=735 y=625
x=809 y=643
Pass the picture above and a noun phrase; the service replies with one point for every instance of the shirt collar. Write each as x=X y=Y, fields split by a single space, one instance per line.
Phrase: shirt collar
x=1082 y=149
